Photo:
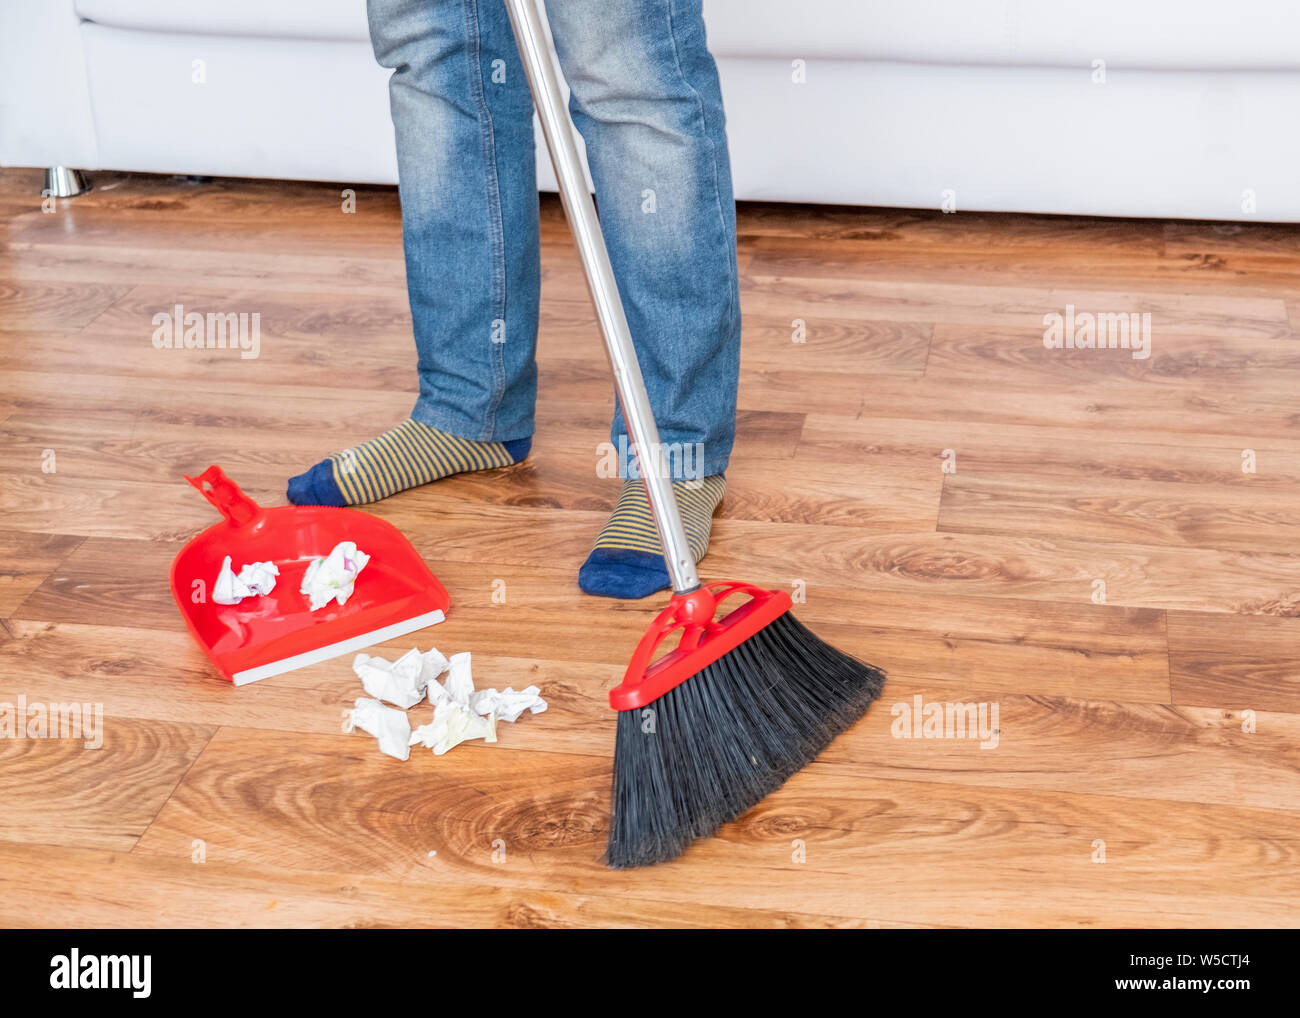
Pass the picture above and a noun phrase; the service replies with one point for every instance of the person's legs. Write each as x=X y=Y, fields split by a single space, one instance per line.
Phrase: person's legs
x=462 y=115
x=645 y=97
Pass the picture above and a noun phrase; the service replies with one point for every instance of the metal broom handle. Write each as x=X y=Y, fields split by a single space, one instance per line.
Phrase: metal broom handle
x=527 y=21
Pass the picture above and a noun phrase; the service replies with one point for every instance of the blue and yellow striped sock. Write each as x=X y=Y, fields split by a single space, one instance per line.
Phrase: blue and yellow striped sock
x=627 y=560
x=403 y=457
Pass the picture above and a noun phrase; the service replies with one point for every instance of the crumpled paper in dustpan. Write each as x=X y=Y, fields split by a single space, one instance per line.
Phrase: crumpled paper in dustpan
x=332 y=578
x=254 y=579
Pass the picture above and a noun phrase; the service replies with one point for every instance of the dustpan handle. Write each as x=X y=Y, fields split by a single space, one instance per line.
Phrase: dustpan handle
x=528 y=22
x=224 y=493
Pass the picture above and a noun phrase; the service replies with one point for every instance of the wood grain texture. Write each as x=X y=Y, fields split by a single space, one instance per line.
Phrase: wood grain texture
x=89 y=787
x=1238 y=662
x=930 y=850
x=51 y=304
x=28 y=559
x=941 y=493
x=189 y=894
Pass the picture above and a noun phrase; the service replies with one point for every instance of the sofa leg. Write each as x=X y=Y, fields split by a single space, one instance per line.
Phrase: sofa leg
x=64 y=182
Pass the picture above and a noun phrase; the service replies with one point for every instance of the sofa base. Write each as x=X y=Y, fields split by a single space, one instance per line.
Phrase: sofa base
x=1169 y=144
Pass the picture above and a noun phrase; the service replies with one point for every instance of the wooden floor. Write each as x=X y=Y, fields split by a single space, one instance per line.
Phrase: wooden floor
x=1099 y=566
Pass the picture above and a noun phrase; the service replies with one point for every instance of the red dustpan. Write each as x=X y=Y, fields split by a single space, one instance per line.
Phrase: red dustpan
x=277 y=632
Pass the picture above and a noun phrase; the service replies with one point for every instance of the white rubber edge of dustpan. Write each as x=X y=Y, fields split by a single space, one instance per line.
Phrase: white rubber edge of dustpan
x=312 y=657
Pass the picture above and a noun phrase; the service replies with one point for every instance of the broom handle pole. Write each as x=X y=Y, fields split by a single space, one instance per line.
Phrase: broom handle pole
x=527 y=21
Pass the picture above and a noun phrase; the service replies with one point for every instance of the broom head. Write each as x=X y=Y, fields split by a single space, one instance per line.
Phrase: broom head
x=709 y=728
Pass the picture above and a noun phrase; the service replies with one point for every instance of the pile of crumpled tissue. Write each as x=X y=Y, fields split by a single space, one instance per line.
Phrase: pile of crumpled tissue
x=460 y=712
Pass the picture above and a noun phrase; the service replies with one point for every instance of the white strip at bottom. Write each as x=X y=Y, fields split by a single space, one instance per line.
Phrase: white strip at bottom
x=312 y=657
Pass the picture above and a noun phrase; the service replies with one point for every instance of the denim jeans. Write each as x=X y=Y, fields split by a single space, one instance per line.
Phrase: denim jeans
x=646 y=100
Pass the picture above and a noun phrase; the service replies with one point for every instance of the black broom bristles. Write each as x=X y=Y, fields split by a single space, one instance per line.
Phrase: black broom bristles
x=707 y=751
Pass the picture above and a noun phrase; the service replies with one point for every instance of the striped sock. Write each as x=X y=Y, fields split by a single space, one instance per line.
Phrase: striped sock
x=403 y=457
x=627 y=560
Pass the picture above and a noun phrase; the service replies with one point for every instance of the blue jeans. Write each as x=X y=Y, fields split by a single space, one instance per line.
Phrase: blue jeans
x=646 y=100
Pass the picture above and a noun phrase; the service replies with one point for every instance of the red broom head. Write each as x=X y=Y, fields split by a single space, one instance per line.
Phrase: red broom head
x=702 y=641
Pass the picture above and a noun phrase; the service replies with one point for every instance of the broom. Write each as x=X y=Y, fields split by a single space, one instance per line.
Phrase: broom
x=708 y=728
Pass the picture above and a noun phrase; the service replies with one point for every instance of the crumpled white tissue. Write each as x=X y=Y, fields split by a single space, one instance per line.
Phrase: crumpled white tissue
x=388 y=725
x=332 y=578
x=459 y=689
x=229 y=589
x=507 y=705
x=259 y=577
x=452 y=724
x=401 y=682
x=459 y=684
x=254 y=579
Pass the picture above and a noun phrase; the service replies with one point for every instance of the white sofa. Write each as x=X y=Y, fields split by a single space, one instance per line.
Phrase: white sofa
x=1169 y=108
